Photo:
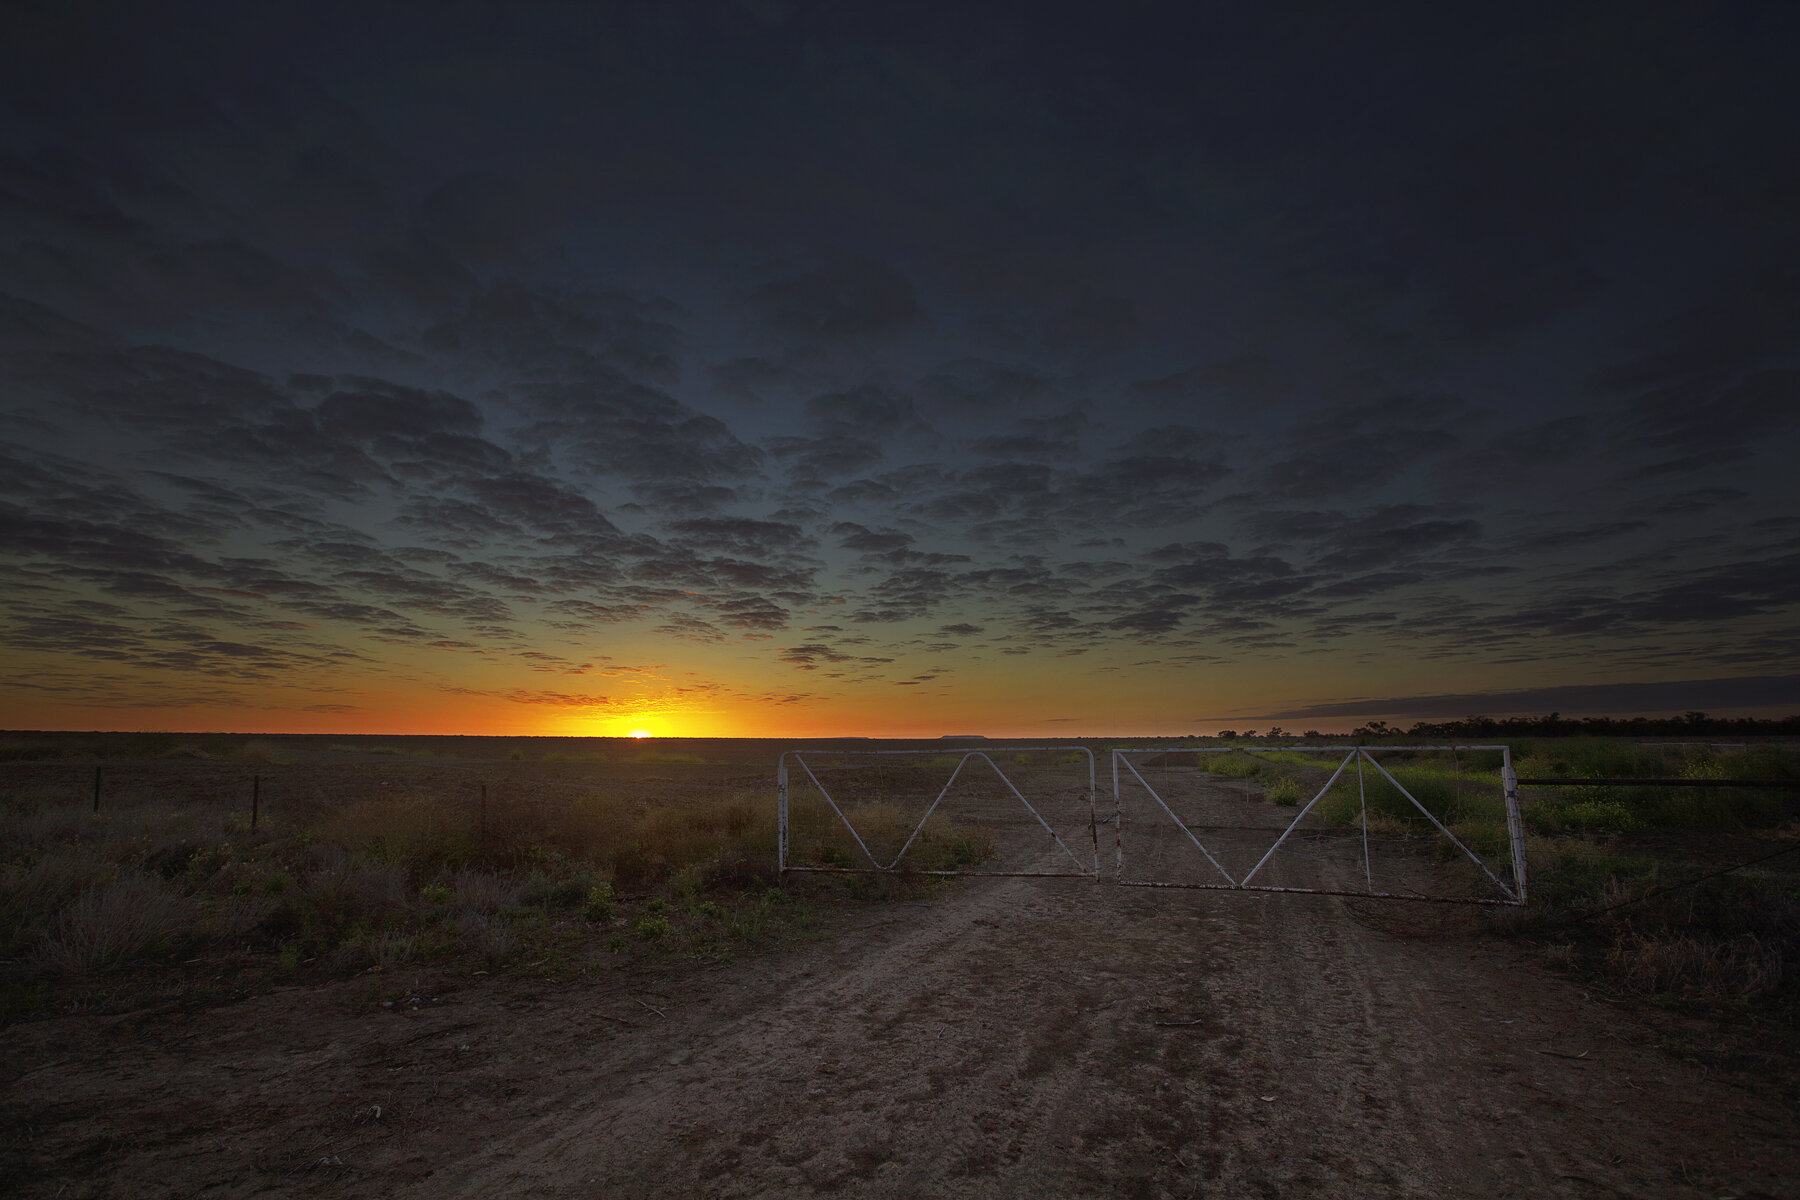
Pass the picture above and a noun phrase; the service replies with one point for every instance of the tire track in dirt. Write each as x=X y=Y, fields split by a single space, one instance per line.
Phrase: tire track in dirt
x=1008 y=1043
x=1005 y=1037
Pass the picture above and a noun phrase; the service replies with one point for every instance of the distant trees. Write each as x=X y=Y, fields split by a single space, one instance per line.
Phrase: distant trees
x=1687 y=725
x=1556 y=725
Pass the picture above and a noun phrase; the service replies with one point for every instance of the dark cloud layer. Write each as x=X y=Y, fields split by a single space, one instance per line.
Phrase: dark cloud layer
x=827 y=341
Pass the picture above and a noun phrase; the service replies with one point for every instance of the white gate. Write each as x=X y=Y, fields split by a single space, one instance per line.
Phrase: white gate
x=984 y=797
x=1214 y=825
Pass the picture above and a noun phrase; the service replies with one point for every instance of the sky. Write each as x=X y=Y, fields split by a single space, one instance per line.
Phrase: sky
x=788 y=368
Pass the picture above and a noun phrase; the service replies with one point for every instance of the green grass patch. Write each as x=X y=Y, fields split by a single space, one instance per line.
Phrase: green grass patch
x=1286 y=792
x=1233 y=765
x=1443 y=789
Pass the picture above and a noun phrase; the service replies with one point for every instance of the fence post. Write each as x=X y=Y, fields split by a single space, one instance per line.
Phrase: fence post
x=97 y=770
x=1515 y=820
x=1093 y=815
x=255 y=799
x=781 y=814
x=1118 y=822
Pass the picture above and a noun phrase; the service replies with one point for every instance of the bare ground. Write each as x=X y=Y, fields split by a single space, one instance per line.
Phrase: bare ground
x=1004 y=1037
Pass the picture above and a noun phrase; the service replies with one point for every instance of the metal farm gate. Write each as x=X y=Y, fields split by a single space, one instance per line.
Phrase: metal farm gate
x=1280 y=823
x=1252 y=819
x=981 y=791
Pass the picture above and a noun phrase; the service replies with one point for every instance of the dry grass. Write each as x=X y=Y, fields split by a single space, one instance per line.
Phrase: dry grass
x=115 y=922
x=1747 y=967
x=1656 y=924
x=819 y=837
x=378 y=868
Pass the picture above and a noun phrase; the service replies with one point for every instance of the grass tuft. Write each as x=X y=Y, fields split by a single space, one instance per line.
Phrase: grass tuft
x=130 y=918
x=1286 y=792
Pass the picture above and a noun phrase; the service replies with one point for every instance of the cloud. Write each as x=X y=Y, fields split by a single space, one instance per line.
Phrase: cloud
x=1699 y=500
x=549 y=698
x=1588 y=535
x=1762 y=405
x=1743 y=323
x=1362 y=446
x=302 y=367
x=869 y=411
x=812 y=655
x=457 y=523
x=852 y=536
x=829 y=457
x=1252 y=377
x=837 y=298
x=27 y=325
x=539 y=503
x=607 y=336
x=376 y=410
x=1146 y=489
x=752 y=612
x=743 y=536
x=977 y=384
x=1096 y=323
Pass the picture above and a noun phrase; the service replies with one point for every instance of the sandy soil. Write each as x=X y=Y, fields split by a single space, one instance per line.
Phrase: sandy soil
x=1003 y=1037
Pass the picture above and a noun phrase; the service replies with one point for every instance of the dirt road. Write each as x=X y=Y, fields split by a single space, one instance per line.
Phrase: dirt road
x=1002 y=1038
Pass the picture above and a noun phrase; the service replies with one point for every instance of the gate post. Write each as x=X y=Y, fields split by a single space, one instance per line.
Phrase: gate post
x=1093 y=815
x=781 y=814
x=1515 y=823
x=1118 y=822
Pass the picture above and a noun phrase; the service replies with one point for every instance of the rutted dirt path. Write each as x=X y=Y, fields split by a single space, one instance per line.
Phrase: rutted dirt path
x=1007 y=1037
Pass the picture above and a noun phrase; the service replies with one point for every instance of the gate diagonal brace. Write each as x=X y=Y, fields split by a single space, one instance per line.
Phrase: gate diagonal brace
x=1301 y=816
x=839 y=812
x=1180 y=824
x=1456 y=841
x=1514 y=895
x=942 y=792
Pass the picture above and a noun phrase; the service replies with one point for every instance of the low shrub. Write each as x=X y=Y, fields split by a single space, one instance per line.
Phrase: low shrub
x=1286 y=792
x=599 y=906
x=134 y=916
x=1628 y=921
x=384 y=880
x=1236 y=765
x=1588 y=815
x=487 y=937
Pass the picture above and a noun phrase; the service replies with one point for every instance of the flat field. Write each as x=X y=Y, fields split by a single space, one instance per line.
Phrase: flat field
x=592 y=983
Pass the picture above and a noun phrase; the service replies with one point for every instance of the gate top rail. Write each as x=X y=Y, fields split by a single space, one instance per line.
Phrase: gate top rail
x=1340 y=748
x=1648 y=781
x=962 y=755
x=1509 y=783
x=946 y=750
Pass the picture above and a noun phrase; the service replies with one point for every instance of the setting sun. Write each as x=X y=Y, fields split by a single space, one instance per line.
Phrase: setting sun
x=641 y=733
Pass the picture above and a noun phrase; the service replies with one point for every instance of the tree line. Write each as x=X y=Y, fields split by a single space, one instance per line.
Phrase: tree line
x=1689 y=725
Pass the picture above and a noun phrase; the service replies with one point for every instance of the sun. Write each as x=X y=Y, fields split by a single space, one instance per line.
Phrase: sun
x=641 y=733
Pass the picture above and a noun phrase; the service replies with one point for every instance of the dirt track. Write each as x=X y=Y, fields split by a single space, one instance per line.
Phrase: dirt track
x=1006 y=1037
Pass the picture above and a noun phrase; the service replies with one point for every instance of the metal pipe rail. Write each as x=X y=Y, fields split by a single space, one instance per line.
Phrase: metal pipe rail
x=1791 y=785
